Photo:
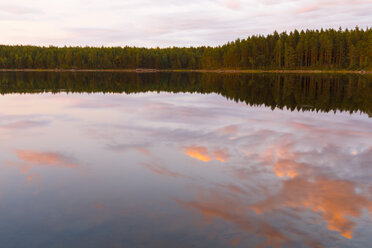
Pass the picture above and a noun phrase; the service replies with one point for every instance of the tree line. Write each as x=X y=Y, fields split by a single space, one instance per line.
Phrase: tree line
x=309 y=49
x=311 y=92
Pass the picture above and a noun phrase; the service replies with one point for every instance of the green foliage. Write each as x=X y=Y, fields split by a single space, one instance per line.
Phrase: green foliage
x=310 y=49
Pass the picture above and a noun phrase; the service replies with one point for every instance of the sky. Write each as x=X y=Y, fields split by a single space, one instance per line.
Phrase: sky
x=164 y=23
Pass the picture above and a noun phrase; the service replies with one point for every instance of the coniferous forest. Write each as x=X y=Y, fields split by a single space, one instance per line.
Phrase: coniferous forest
x=310 y=49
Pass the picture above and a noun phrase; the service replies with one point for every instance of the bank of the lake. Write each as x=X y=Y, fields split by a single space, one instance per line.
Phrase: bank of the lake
x=226 y=71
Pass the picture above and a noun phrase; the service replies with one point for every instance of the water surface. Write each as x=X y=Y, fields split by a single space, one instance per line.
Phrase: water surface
x=185 y=160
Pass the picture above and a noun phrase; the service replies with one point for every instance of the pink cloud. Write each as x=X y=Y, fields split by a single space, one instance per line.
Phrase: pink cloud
x=23 y=124
x=32 y=158
x=198 y=152
x=45 y=158
x=334 y=200
x=33 y=178
x=232 y=4
x=230 y=130
x=143 y=150
x=222 y=155
x=160 y=170
x=307 y=9
x=230 y=208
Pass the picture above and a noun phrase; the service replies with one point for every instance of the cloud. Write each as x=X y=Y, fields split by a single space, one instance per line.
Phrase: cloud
x=309 y=180
x=232 y=4
x=140 y=147
x=178 y=113
x=307 y=9
x=201 y=153
x=33 y=178
x=198 y=152
x=18 y=10
x=143 y=150
x=160 y=170
x=337 y=130
x=222 y=155
x=23 y=124
x=45 y=158
x=304 y=186
x=219 y=205
x=287 y=168
x=335 y=200
x=232 y=188
x=167 y=22
x=229 y=130
x=31 y=158
x=94 y=105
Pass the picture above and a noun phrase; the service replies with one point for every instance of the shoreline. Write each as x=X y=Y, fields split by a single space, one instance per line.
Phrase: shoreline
x=222 y=71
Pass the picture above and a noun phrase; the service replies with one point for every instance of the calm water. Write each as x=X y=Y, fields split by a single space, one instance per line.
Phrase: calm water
x=185 y=160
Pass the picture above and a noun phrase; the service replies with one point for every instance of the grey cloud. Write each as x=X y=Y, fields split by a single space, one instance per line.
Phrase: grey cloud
x=115 y=147
x=19 y=122
x=23 y=124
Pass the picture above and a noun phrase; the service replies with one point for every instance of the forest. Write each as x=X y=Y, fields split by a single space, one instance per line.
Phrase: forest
x=309 y=49
x=305 y=92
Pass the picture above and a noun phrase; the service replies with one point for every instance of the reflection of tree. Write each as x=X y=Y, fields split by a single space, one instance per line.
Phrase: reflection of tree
x=295 y=92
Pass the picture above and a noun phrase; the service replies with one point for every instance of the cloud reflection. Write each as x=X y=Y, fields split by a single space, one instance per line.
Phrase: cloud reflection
x=221 y=155
x=33 y=178
x=216 y=205
x=335 y=200
x=287 y=165
x=161 y=170
x=201 y=153
x=45 y=158
x=31 y=158
x=198 y=152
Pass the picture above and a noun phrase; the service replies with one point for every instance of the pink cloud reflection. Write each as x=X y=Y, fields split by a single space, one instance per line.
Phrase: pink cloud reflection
x=45 y=158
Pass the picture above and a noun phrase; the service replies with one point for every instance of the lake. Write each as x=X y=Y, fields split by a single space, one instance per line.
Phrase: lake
x=185 y=160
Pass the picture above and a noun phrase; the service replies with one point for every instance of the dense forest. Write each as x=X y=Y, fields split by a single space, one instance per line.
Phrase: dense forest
x=310 y=49
x=311 y=92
